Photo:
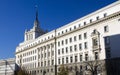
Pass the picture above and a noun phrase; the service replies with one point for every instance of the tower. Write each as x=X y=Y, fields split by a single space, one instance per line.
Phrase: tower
x=35 y=32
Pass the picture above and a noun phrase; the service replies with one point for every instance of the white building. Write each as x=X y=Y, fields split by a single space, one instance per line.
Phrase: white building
x=96 y=35
x=7 y=66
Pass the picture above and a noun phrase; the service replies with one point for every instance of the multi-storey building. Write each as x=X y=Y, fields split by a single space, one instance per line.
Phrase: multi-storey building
x=8 y=66
x=95 y=36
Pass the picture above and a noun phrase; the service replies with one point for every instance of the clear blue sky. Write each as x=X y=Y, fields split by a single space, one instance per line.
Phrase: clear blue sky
x=18 y=15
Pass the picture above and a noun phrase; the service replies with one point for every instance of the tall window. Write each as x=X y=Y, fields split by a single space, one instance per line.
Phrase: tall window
x=58 y=61
x=85 y=45
x=75 y=58
x=75 y=47
x=86 y=57
x=97 y=17
x=62 y=50
x=66 y=41
x=62 y=60
x=80 y=37
x=80 y=46
x=107 y=40
x=58 y=51
x=70 y=40
x=96 y=56
x=95 y=41
x=71 y=59
x=52 y=62
x=81 y=57
x=74 y=38
x=62 y=42
x=70 y=48
x=106 y=29
x=66 y=49
x=58 y=43
x=85 y=35
x=66 y=59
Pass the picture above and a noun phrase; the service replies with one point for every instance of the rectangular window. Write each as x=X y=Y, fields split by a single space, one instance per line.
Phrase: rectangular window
x=66 y=49
x=85 y=35
x=105 y=14
x=70 y=48
x=74 y=38
x=62 y=50
x=84 y=23
x=62 y=60
x=85 y=45
x=58 y=51
x=66 y=59
x=80 y=46
x=58 y=43
x=75 y=58
x=107 y=40
x=80 y=37
x=66 y=41
x=62 y=42
x=90 y=20
x=96 y=55
x=106 y=29
x=58 y=61
x=52 y=62
x=70 y=40
x=80 y=57
x=75 y=47
x=97 y=17
x=71 y=59
x=86 y=57
x=74 y=27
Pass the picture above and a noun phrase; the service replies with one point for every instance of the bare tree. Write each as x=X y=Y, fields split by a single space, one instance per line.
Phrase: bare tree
x=94 y=67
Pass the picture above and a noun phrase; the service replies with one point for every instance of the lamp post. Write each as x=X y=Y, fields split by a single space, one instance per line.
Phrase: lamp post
x=5 y=67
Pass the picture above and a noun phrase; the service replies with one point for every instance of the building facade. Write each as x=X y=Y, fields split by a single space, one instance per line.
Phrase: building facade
x=7 y=66
x=92 y=37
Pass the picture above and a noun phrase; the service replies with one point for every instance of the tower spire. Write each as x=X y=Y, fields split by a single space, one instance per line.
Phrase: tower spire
x=36 y=22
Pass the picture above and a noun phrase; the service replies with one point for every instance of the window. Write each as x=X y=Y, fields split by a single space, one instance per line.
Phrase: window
x=58 y=61
x=79 y=25
x=62 y=32
x=85 y=45
x=80 y=46
x=52 y=62
x=74 y=27
x=80 y=57
x=105 y=14
x=74 y=38
x=75 y=58
x=86 y=57
x=90 y=20
x=71 y=59
x=70 y=48
x=107 y=40
x=95 y=42
x=97 y=17
x=66 y=30
x=70 y=40
x=52 y=53
x=62 y=50
x=58 y=43
x=66 y=49
x=66 y=59
x=66 y=41
x=84 y=23
x=80 y=37
x=62 y=60
x=96 y=56
x=62 y=42
x=48 y=62
x=85 y=35
x=75 y=47
x=58 y=51
x=70 y=29
x=106 y=29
